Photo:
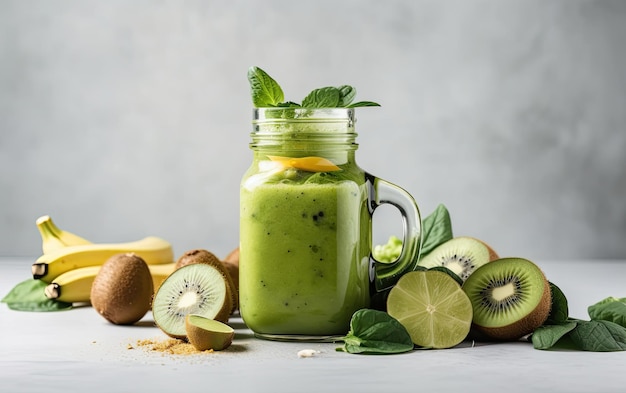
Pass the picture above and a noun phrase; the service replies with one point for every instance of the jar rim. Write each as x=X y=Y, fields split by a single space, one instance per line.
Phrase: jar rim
x=299 y=114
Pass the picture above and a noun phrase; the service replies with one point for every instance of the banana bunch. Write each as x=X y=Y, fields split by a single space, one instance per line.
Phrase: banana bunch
x=53 y=238
x=69 y=263
x=74 y=286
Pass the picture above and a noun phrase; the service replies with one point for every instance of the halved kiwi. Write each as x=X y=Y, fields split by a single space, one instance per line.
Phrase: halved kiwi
x=204 y=333
x=192 y=289
x=510 y=298
x=200 y=255
x=462 y=255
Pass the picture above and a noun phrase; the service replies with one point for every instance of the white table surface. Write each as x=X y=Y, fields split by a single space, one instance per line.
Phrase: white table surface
x=78 y=351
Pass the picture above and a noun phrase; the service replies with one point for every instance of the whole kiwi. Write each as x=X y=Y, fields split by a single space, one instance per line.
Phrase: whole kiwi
x=122 y=290
x=232 y=265
x=200 y=255
x=197 y=255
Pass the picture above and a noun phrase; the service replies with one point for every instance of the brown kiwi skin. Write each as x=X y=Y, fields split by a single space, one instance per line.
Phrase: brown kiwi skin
x=521 y=328
x=203 y=341
x=200 y=255
x=197 y=255
x=493 y=255
x=231 y=262
x=122 y=290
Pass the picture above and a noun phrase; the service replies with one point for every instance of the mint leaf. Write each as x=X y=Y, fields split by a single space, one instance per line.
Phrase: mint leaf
x=325 y=97
x=289 y=104
x=29 y=295
x=346 y=95
x=376 y=332
x=266 y=92
x=363 y=103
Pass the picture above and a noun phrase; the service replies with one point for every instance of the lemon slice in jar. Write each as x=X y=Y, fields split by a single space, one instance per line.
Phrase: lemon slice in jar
x=310 y=164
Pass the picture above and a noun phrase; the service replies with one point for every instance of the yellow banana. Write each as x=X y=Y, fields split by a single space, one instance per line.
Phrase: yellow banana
x=160 y=273
x=54 y=238
x=47 y=267
x=74 y=286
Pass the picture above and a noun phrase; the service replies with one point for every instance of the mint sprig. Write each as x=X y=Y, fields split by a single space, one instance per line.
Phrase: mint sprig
x=266 y=92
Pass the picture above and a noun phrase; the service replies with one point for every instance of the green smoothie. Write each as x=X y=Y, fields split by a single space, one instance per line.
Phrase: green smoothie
x=304 y=248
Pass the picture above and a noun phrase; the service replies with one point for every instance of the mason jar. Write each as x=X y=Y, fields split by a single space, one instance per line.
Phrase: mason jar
x=306 y=211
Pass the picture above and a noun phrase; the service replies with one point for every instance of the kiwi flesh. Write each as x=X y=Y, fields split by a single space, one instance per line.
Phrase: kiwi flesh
x=200 y=255
x=510 y=298
x=462 y=255
x=122 y=290
x=196 y=288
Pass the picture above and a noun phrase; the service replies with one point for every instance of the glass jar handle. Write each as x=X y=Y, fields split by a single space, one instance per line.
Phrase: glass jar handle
x=385 y=275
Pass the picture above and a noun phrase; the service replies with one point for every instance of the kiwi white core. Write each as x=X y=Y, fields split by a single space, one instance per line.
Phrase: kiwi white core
x=188 y=300
x=462 y=255
x=456 y=267
x=503 y=292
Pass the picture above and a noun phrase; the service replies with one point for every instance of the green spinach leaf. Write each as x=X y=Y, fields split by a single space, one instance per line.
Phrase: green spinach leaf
x=559 y=311
x=266 y=92
x=449 y=272
x=376 y=332
x=599 y=336
x=29 y=295
x=547 y=336
x=609 y=309
x=436 y=229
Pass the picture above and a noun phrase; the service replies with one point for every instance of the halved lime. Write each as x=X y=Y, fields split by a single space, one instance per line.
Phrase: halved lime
x=432 y=307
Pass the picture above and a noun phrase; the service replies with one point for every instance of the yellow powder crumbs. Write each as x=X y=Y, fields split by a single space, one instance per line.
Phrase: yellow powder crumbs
x=171 y=346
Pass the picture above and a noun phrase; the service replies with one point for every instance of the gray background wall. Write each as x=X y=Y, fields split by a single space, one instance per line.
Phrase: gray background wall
x=125 y=119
